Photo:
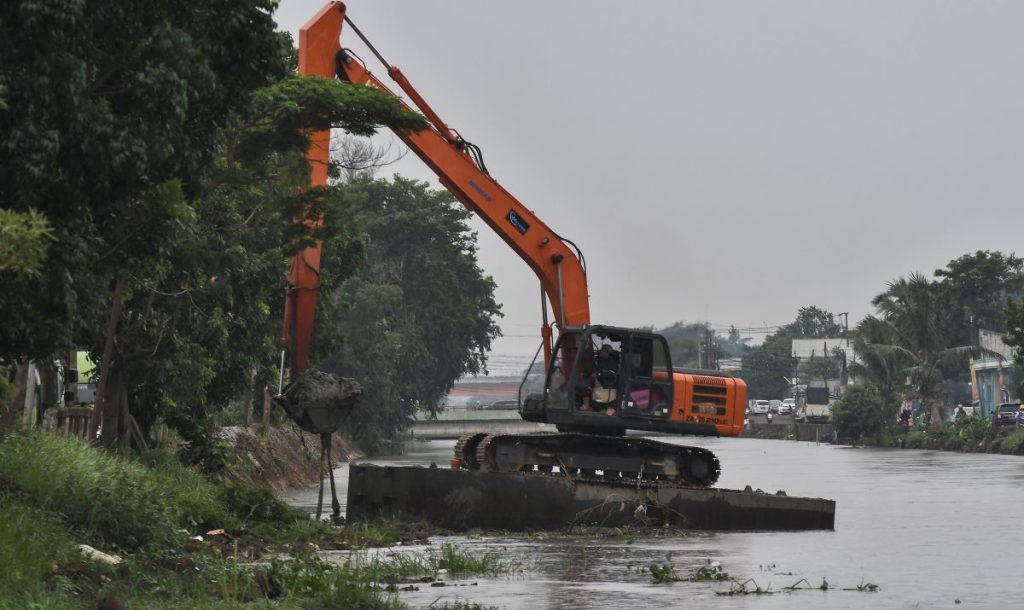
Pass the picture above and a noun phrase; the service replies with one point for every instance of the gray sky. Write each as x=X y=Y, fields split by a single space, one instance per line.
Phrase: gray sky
x=725 y=161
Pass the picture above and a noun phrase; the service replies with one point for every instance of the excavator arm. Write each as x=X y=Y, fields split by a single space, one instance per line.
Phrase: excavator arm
x=459 y=166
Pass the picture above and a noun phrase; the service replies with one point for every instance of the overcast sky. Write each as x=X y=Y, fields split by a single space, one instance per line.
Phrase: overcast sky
x=724 y=161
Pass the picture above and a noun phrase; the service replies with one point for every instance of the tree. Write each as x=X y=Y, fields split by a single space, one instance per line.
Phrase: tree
x=880 y=362
x=811 y=323
x=105 y=103
x=417 y=314
x=206 y=315
x=976 y=287
x=915 y=318
x=1015 y=334
x=863 y=413
x=163 y=144
x=767 y=366
x=23 y=241
x=684 y=342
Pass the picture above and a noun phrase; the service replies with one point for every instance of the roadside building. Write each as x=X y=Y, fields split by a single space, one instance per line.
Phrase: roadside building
x=989 y=387
x=836 y=349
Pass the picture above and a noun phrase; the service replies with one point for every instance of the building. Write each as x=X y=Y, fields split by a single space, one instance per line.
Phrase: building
x=806 y=349
x=989 y=373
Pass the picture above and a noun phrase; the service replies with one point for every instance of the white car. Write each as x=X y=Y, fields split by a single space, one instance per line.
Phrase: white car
x=788 y=406
x=761 y=407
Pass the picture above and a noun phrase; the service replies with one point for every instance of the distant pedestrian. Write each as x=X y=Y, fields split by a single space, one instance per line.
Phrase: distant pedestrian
x=1019 y=418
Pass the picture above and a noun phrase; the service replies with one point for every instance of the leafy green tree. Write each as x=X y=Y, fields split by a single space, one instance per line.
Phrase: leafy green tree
x=163 y=144
x=417 y=314
x=976 y=287
x=206 y=315
x=23 y=240
x=811 y=323
x=767 y=366
x=684 y=342
x=879 y=360
x=1015 y=335
x=864 y=414
x=105 y=103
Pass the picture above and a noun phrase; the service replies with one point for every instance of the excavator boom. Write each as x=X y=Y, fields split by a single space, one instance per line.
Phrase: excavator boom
x=597 y=381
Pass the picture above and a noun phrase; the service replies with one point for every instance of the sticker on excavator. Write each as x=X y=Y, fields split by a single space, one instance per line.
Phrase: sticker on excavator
x=517 y=221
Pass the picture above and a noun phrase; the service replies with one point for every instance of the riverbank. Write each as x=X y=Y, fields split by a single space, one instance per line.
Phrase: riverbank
x=279 y=458
x=964 y=436
x=84 y=528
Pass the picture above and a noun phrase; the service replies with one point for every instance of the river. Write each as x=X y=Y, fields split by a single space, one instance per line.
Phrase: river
x=930 y=529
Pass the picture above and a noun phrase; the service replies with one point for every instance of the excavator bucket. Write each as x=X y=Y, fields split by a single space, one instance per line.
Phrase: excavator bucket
x=319 y=402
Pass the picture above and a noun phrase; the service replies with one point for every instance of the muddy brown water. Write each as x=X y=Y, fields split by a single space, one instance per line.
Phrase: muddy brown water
x=928 y=528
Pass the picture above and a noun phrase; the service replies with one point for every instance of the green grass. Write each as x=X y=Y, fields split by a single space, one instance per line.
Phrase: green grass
x=119 y=501
x=56 y=493
x=1013 y=443
x=33 y=545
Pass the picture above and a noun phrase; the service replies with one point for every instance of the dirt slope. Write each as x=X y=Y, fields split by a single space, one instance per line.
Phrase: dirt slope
x=280 y=458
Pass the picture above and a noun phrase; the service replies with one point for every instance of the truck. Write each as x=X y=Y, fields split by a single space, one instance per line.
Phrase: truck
x=818 y=409
x=593 y=382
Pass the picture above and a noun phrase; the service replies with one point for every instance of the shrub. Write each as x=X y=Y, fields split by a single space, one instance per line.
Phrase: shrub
x=1013 y=443
x=862 y=414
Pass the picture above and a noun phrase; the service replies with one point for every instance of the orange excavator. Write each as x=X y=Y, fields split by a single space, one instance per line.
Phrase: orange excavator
x=594 y=382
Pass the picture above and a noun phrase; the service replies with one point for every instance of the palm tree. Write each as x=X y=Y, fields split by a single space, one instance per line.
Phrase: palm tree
x=881 y=364
x=908 y=339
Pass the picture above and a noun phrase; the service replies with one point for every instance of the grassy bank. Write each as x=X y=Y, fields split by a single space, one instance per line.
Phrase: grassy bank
x=183 y=541
x=970 y=435
x=967 y=435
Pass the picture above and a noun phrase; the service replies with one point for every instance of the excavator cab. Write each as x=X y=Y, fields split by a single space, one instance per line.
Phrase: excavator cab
x=601 y=379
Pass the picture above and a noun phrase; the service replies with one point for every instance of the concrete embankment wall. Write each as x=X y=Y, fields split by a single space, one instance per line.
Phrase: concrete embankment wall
x=819 y=433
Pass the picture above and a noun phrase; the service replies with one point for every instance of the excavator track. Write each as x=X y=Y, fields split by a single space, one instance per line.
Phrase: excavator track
x=465 y=450
x=590 y=457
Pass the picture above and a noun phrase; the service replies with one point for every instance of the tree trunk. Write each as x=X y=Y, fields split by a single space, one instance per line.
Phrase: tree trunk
x=933 y=406
x=47 y=387
x=16 y=406
x=247 y=399
x=115 y=413
x=28 y=406
x=99 y=408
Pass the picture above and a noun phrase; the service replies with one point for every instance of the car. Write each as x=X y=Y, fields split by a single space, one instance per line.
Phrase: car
x=761 y=407
x=1006 y=414
x=774 y=405
x=788 y=406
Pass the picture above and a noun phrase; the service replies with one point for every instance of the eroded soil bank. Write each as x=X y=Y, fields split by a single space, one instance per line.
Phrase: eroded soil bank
x=280 y=458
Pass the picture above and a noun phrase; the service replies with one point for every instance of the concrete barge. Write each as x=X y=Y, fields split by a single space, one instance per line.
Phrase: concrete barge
x=461 y=500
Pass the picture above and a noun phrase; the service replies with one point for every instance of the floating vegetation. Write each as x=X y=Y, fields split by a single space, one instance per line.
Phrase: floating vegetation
x=711 y=572
x=740 y=588
x=866 y=587
x=664 y=573
x=750 y=587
